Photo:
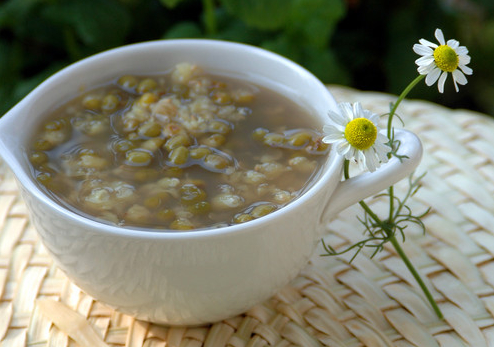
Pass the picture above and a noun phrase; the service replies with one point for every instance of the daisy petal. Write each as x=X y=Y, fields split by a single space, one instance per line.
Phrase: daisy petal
x=456 y=85
x=381 y=138
x=332 y=128
x=338 y=119
x=462 y=50
x=427 y=43
x=343 y=147
x=422 y=50
x=424 y=70
x=423 y=61
x=346 y=110
x=360 y=159
x=370 y=160
x=463 y=59
x=432 y=77
x=352 y=153
x=374 y=118
x=440 y=84
x=459 y=77
x=453 y=43
x=383 y=146
x=331 y=138
x=440 y=36
x=358 y=110
x=466 y=70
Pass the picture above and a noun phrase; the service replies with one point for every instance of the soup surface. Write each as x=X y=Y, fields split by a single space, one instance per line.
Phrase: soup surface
x=185 y=150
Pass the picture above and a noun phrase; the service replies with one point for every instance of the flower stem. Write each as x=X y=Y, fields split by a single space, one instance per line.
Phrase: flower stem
x=405 y=259
x=391 y=192
x=390 y=133
x=209 y=17
x=416 y=275
x=400 y=99
x=391 y=237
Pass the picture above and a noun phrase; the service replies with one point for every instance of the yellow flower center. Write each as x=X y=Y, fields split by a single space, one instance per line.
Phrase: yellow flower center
x=446 y=58
x=361 y=133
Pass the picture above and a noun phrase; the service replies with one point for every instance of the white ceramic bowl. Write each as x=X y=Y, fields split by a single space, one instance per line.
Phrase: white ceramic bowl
x=189 y=278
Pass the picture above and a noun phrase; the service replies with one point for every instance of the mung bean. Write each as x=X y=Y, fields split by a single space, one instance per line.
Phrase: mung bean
x=179 y=156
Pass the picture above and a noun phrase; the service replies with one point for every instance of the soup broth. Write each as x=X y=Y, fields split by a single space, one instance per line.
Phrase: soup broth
x=180 y=151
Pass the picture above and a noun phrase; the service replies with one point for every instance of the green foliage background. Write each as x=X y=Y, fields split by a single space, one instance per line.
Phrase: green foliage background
x=366 y=44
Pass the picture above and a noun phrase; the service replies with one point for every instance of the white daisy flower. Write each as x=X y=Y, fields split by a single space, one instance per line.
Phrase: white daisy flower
x=437 y=61
x=356 y=134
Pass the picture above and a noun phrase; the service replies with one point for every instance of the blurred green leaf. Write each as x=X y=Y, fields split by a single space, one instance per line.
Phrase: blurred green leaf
x=131 y=2
x=25 y=86
x=40 y=31
x=10 y=62
x=100 y=24
x=366 y=44
x=480 y=6
x=183 y=30
x=235 y=30
x=14 y=12
x=283 y=45
x=171 y=3
x=209 y=17
x=323 y=63
x=5 y=99
x=261 y=14
x=315 y=20
x=9 y=74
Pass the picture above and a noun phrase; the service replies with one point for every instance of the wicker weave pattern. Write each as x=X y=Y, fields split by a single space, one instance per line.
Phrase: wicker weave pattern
x=370 y=302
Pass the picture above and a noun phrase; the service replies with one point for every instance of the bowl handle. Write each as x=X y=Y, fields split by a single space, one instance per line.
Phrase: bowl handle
x=355 y=189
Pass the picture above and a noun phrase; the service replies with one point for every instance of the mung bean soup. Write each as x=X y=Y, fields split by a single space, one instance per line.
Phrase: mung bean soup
x=180 y=151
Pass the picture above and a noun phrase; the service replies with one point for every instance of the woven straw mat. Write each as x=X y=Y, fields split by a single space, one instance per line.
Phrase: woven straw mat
x=368 y=302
